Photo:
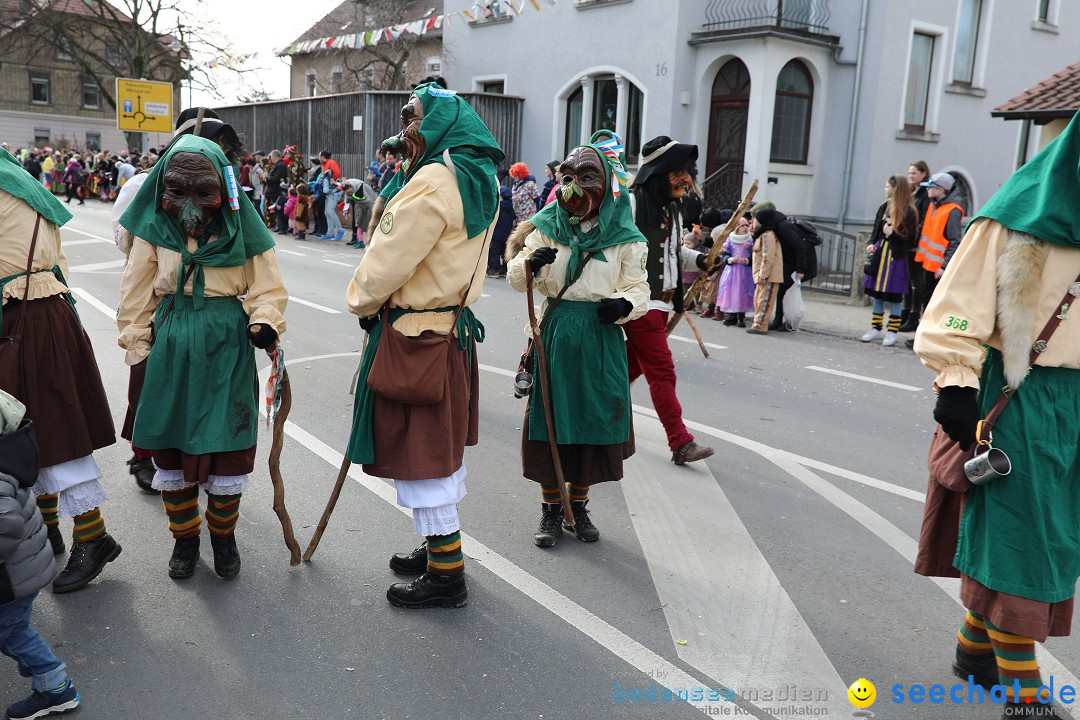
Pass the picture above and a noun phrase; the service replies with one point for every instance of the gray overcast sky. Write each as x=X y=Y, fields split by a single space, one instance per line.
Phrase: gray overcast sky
x=260 y=26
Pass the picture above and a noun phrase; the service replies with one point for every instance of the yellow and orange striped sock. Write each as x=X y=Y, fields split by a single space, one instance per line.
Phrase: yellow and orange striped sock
x=182 y=508
x=972 y=638
x=222 y=512
x=549 y=494
x=444 y=554
x=49 y=505
x=89 y=526
x=1016 y=663
x=577 y=492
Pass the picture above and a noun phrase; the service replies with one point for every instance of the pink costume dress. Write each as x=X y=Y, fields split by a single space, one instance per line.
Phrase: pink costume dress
x=736 y=293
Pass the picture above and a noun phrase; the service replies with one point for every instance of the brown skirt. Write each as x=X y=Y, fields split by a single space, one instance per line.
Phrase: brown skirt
x=59 y=381
x=937 y=548
x=424 y=442
x=135 y=382
x=199 y=468
x=581 y=464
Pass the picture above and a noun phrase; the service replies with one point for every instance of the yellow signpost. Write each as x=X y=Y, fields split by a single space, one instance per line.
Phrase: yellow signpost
x=144 y=105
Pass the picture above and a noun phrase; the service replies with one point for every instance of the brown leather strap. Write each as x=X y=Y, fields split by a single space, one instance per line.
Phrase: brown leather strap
x=557 y=298
x=1037 y=348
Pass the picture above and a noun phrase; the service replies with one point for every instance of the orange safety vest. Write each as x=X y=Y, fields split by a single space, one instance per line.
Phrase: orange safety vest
x=932 y=243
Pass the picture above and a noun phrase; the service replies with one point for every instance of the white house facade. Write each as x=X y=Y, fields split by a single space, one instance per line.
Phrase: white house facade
x=819 y=100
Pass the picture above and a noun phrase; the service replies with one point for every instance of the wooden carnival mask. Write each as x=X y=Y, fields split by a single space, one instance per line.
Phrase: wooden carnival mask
x=581 y=190
x=192 y=192
x=412 y=116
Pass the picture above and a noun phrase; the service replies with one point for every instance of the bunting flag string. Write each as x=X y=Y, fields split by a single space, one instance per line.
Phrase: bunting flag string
x=480 y=11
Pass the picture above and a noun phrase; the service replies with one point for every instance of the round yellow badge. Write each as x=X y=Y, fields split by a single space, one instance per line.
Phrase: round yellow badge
x=387 y=223
x=862 y=693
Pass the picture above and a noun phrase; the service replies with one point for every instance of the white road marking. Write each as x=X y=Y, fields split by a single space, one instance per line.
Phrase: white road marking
x=97 y=266
x=314 y=305
x=694 y=341
x=97 y=304
x=615 y=641
x=87 y=241
x=743 y=627
x=335 y=262
x=484 y=295
x=888 y=383
x=290 y=252
x=317 y=249
x=68 y=228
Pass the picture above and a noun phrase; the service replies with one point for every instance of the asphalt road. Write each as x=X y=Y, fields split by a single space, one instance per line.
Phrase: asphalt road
x=777 y=572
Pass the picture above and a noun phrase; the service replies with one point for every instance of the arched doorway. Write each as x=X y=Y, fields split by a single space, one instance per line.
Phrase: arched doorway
x=728 y=113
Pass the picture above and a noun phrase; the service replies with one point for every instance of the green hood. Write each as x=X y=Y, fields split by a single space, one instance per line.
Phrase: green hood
x=1043 y=197
x=15 y=180
x=241 y=233
x=451 y=124
x=614 y=225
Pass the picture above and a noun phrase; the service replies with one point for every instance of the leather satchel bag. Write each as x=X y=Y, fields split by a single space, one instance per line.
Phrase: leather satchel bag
x=413 y=370
x=11 y=365
x=946 y=459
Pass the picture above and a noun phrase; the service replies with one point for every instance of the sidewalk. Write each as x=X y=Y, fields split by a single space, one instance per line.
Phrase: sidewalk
x=829 y=314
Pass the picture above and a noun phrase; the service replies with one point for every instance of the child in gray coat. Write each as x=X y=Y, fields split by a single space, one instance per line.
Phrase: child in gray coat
x=26 y=566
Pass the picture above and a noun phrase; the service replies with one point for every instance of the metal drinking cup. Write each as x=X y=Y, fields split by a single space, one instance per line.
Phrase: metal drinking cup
x=987 y=466
x=523 y=383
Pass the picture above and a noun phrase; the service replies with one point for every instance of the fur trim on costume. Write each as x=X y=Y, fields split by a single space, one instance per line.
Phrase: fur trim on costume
x=1019 y=281
x=516 y=242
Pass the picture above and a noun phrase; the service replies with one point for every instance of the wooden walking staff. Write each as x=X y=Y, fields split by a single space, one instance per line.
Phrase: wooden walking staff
x=545 y=389
x=275 y=466
x=692 y=292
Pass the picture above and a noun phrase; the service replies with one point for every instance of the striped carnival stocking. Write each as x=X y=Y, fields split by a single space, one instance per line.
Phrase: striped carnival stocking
x=222 y=511
x=550 y=494
x=972 y=637
x=876 y=320
x=49 y=505
x=1016 y=663
x=89 y=526
x=578 y=492
x=894 y=323
x=182 y=508
x=444 y=554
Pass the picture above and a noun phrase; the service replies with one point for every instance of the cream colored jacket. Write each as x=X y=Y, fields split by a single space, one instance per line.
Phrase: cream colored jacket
x=420 y=256
x=16 y=232
x=622 y=276
x=1000 y=288
x=150 y=276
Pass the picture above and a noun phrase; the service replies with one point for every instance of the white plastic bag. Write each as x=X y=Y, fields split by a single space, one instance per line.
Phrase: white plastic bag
x=794 y=308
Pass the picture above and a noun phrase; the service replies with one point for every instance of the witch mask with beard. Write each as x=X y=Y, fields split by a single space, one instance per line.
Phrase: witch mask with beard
x=192 y=194
x=583 y=183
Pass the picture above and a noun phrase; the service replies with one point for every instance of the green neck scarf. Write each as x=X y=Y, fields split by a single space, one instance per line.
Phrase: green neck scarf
x=451 y=124
x=15 y=180
x=241 y=234
x=1041 y=198
x=614 y=224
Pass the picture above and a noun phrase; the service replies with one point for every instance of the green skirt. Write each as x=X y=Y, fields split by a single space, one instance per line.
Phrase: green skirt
x=590 y=380
x=1019 y=534
x=200 y=394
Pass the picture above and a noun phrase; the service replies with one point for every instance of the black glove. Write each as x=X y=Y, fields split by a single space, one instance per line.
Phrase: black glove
x=702 y=261
x=369 y=322
x=541 y=257
x=261 y=335
x=957 y=412
x=611 y=309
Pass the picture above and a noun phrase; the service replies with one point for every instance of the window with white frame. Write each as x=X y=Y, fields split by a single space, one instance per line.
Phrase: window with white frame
x=1043 y=14
x=495 y=87
x=39 y=89
x=91 y=95
x=917 y=97
x=41 y=136
x=791 y=114
x=63 y=48
x=337 y=80
x=604 y=101
x=310 y=84
x=967 y=39
x=93 y=141
x=434 y=65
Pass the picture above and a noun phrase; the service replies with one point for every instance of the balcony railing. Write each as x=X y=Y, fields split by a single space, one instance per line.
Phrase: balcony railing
x=804 y=16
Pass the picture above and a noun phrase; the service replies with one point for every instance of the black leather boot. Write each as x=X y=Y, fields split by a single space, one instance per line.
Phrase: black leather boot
x=226 y=556
x=430 y=591
x=551 y=524
x=56 y=538
x=143 y=470
x=86 y=562
x=583 y=527
x=185 y=556
x=414 y=563
x=983 y=668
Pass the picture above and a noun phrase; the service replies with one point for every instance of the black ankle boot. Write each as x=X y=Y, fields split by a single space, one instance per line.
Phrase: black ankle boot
x=185 y=556
x=86 y=562
x=414 y=563
x=983 y=668
x=583 y=527
x=730 y=319
x=143 y=470
x=226 y=556
x=742 y=320
x=56 y=539
x=551 y=521
x=429 y=591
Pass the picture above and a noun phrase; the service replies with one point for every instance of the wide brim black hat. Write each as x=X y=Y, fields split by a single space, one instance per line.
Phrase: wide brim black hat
x=662 y=155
